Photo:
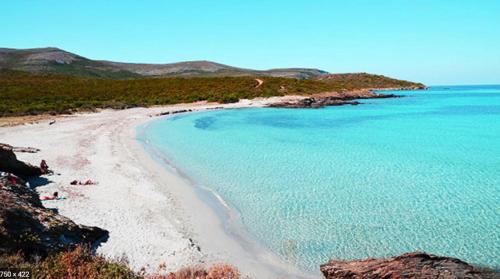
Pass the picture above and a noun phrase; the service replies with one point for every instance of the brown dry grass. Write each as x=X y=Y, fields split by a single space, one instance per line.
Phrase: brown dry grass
x=81 y=263
x=217 y=271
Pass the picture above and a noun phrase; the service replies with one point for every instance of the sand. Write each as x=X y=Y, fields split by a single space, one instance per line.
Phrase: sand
x=154 y=215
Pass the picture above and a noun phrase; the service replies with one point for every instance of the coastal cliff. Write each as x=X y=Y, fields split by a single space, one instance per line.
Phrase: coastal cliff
x=410 y=265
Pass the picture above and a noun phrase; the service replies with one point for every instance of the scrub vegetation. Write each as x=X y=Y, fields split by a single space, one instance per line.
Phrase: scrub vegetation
x=81 y=263
x=23 y=93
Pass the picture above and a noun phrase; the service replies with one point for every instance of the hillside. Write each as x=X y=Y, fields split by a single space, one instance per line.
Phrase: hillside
x=57 y=61
x=24 y=93
x=353 y=81
x=51 y=80
x=209 y=69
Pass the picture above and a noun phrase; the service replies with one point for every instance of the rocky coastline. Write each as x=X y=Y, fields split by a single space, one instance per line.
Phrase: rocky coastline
x=409 y=265
x=26 y=225
x=331 y=99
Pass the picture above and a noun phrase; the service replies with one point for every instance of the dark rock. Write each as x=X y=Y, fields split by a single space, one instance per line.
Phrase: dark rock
x=335 y=99
x=27 y=226
x=381 y=96
x=174 y=112
x=10 y=164
x=24 y=149
x=410 y=265
x=179 y=111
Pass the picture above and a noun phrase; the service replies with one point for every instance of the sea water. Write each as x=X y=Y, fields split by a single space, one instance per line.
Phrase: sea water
x=379 y=179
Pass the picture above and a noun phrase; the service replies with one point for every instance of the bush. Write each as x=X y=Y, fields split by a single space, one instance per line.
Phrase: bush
x=80 y=264
x=229 y=99
x=218 y=271
x=223 y=271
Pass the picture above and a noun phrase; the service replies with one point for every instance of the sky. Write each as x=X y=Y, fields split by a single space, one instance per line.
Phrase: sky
x=430 y=41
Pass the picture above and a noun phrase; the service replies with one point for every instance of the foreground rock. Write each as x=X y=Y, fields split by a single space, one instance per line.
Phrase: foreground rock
x=27 y=226
x=410 y=265
x=9 y=163
x=333 y=99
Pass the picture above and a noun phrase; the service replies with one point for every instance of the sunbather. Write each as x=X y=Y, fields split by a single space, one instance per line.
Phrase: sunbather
x=87 y=182
x=44 y=167
x=55 y=196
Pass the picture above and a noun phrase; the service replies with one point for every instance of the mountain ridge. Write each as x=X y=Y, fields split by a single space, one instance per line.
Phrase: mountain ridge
x=59 y=61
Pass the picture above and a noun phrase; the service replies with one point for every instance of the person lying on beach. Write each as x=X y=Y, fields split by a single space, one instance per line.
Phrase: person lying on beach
x=44 y=167
x=55 y=196
x=87 y=182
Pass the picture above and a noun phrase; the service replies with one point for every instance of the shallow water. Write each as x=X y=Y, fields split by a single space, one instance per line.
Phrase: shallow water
x=378 y=179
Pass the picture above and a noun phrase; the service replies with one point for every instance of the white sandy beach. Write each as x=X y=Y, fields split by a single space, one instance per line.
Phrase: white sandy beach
x=154 y=216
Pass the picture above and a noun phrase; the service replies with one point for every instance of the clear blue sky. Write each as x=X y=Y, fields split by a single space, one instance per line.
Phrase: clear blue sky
x=433 y=41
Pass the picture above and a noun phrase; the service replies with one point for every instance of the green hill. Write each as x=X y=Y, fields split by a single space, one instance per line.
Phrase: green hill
x=364 y=80
x=25 y=93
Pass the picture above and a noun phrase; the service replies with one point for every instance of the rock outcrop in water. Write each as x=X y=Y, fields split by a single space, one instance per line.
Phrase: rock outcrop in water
x=319 y=101
x=410 y=265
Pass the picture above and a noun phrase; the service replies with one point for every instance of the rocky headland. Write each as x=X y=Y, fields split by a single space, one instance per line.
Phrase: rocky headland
x=331 y=99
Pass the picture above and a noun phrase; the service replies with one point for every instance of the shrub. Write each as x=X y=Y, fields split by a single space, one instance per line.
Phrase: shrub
x=223 y=271
x=229 y=99
x=80 y=263
x=218 y=271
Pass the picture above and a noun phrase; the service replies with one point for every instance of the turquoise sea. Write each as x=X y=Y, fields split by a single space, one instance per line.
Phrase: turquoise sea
x=389 y=176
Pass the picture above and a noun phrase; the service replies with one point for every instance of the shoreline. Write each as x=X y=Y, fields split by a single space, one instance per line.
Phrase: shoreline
x=346 y=96
x=146 y=218
x=227 y=240
x=155 y=215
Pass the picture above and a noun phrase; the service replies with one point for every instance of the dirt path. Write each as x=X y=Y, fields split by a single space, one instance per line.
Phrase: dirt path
x=259 y=82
